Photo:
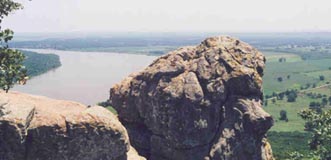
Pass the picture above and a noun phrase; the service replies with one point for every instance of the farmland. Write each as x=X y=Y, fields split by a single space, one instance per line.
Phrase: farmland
x=303 y=76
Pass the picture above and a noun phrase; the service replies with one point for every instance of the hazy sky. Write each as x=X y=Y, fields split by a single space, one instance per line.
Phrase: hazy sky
x=171 y=16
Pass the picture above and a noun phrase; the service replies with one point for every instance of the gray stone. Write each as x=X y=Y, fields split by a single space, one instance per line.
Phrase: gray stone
x=198 y=103
x=39 y=128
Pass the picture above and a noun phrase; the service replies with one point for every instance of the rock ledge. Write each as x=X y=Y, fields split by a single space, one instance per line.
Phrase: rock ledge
x=39 y=128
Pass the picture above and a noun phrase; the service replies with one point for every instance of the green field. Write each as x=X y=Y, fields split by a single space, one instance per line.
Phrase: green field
x=274 y=56
x=286 y=137
x=283 y=143
x=300 y=72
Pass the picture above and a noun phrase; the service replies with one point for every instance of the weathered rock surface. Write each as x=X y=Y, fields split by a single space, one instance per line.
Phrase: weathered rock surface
x=198 y=103
x=39 y=128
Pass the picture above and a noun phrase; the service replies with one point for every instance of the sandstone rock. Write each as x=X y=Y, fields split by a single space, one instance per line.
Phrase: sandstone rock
x=39 y=128
x=198 y=103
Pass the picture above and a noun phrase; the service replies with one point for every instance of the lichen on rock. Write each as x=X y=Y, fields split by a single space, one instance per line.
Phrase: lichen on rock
x=198 y=103
x=39 y=128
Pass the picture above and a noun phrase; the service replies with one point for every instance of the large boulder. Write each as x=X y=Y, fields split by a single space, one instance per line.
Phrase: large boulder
x=198 y=103
x=39 y=128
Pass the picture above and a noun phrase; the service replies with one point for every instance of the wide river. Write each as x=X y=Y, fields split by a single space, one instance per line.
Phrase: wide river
x=85 y=77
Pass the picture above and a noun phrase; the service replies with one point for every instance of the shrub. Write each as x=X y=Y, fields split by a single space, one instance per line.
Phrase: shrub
x=322 y=78
x=283 y=115
x=292 y=97
x=279 y=79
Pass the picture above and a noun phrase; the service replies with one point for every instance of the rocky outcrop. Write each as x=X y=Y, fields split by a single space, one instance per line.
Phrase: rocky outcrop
x=38 y=128
x=198 y=103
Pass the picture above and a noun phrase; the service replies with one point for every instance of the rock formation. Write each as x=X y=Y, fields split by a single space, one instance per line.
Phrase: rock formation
x=38 y=128
x=198 y=103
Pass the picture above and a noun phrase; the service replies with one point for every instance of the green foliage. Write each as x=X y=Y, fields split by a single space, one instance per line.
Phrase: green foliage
x=266 y=103
x=316 y=106
x=103 y=104
x=288 y=76
x=324 y=101
x=7 y=6
x=292 y=96
x=107 y=105
x=320 y=127
x=37 y=64
x=285 y=143
x=281 y=96
x=111 y=109
x=295 y=156
x=282 y=59
x=322 y=78
x=314 y=85
x=11 y=68
x=283 y=115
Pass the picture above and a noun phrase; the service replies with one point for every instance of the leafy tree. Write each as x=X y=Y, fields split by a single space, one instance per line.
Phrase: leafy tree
x=292 y=96
x=322 y=78
x=314 y=85
x=266 y=103
x=280 y=79
x=267 y=96
x=295 y=156
x=302 y=87
x=283 y=115
x=320 y=126
x=274 y=94
x=282 y=59
x=11 y=68
x=281 y=96
x=324 y=101
x=316 y=106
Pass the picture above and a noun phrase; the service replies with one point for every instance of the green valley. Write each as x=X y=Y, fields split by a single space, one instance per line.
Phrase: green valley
x=305 y=77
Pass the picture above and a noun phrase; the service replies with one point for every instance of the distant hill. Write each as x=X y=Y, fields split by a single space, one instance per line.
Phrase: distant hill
x=37 y=64
x=306 y=45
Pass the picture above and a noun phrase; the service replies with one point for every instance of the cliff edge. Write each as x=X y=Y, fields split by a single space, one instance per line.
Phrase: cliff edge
x=39 y=128
x=198 y=103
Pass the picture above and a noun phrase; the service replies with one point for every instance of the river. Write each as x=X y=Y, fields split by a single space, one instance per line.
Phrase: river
x=84 y=77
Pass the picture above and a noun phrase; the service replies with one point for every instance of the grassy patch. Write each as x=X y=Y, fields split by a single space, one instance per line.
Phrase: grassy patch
x=286 y=137
x=275 y=56
x=295 y=123
x=323 y=90
x=300 y=73
x=111 y=109
x=284 y=143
